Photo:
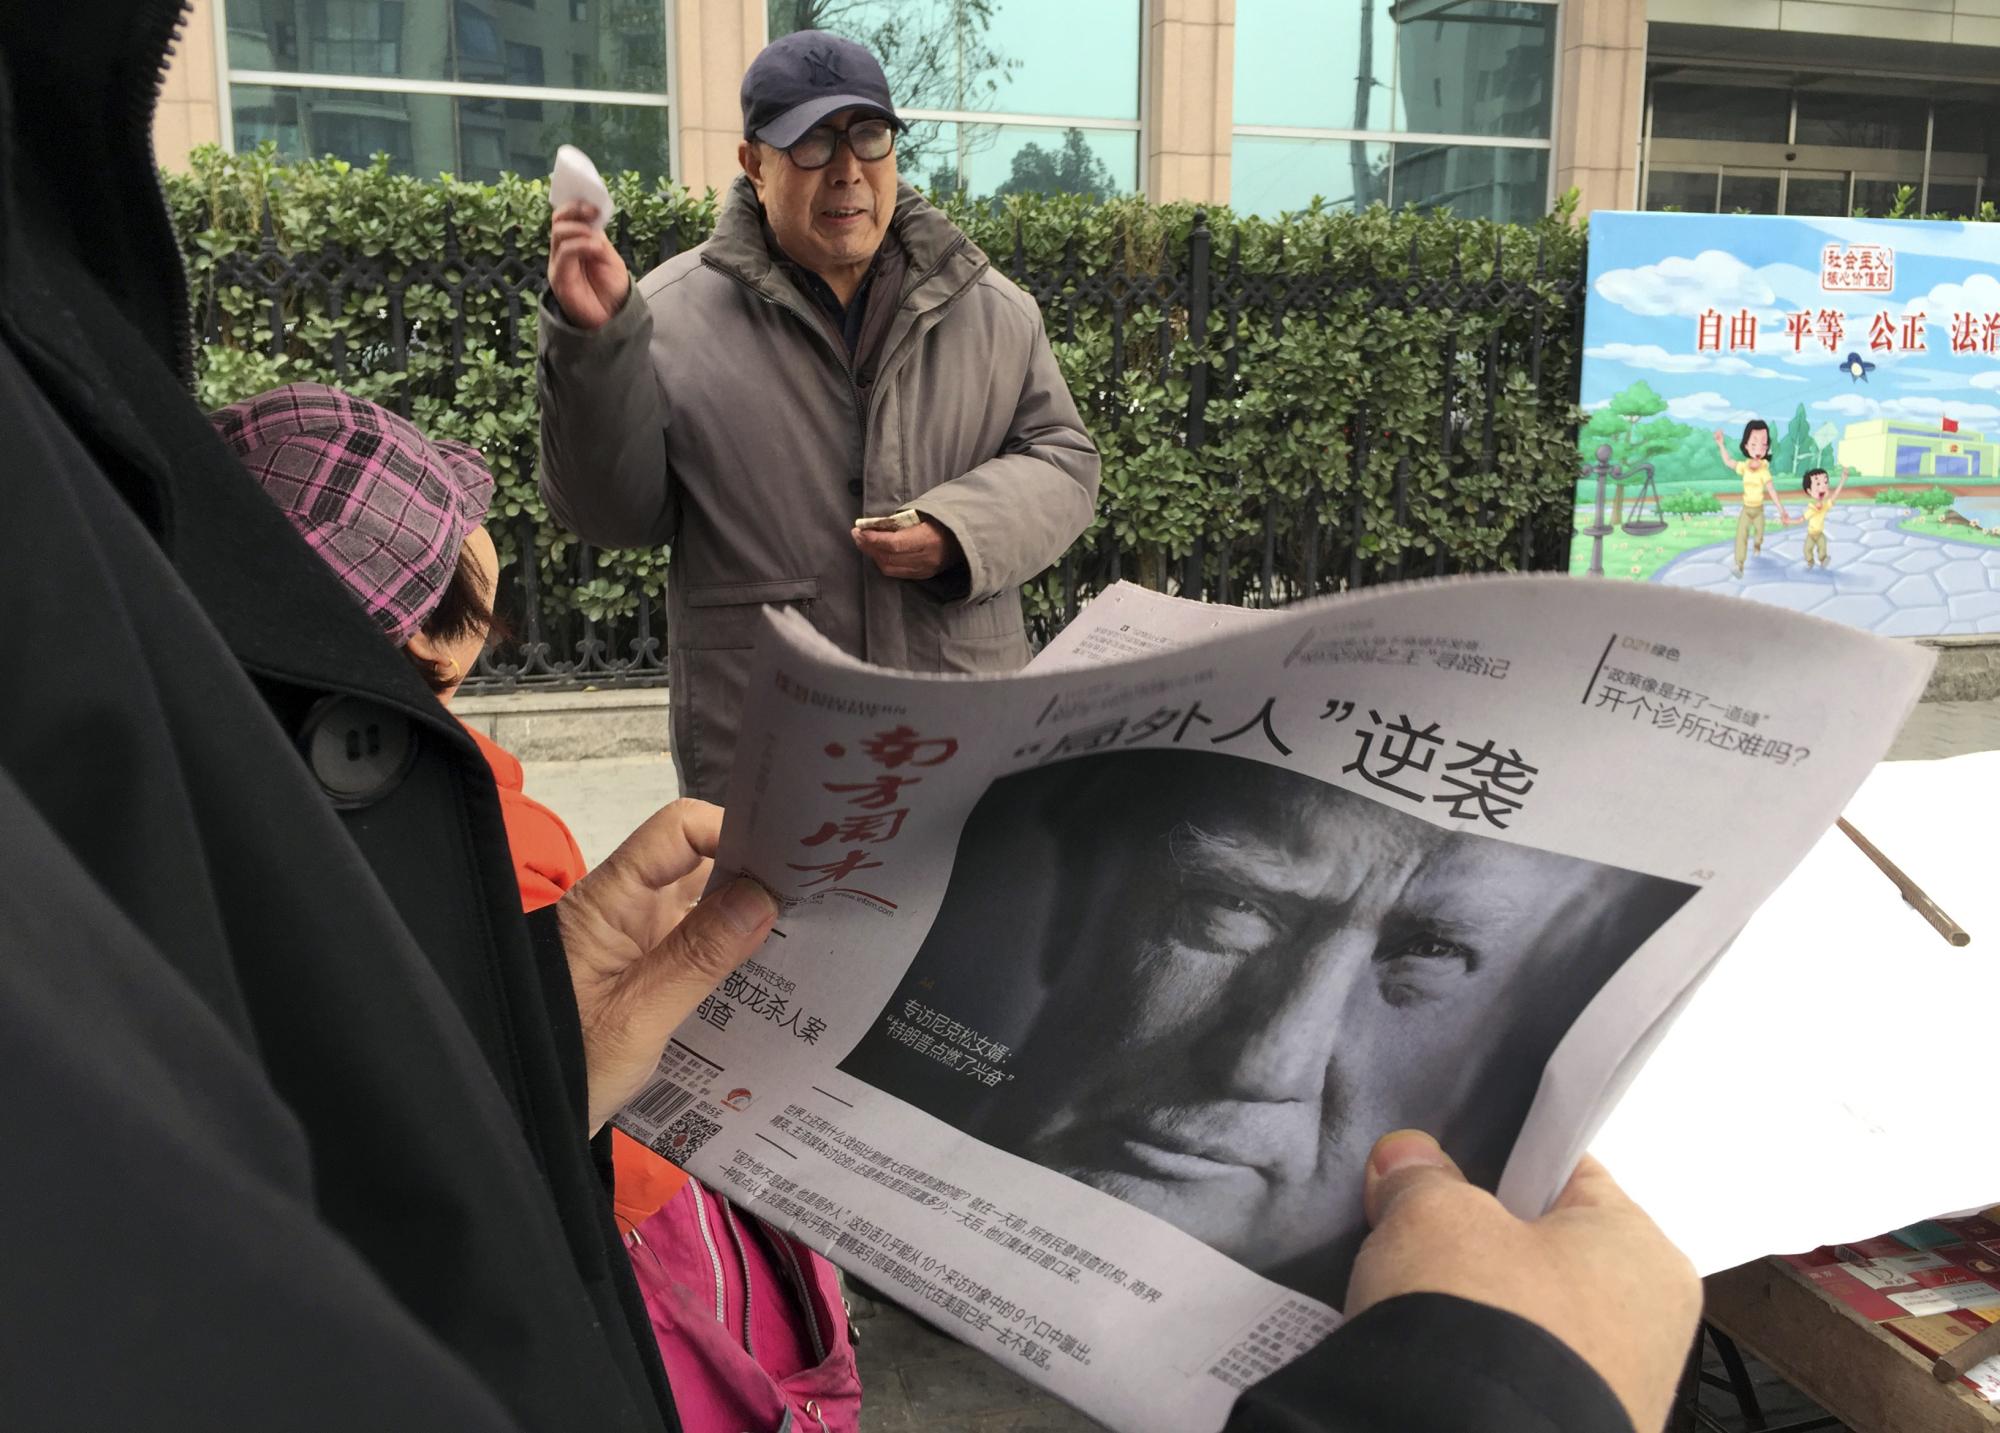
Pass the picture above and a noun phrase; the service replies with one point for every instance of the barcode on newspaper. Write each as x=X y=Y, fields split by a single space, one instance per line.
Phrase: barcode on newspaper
x=661 y=1103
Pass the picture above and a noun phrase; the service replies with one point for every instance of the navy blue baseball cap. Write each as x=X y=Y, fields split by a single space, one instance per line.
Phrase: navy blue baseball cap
x=796 y=81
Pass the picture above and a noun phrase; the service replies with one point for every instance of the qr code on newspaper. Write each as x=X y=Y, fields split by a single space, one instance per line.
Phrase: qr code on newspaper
x=685 y=1136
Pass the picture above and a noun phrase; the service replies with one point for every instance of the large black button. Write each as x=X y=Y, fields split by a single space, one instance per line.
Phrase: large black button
x=359 y=751
x=854 y=487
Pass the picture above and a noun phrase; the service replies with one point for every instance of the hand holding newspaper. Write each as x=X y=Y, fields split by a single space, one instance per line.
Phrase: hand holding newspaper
x=1095 y=983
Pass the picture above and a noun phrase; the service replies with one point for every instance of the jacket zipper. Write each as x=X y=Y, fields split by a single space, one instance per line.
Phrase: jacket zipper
x=743 y=1262
x=714 y=1258
x=840 y=359
x=798 y=1275
x=146 y=100
x=864 y=410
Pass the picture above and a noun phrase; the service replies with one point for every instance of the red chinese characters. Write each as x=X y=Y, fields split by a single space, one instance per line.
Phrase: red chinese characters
x=1975 y=332
x=1711 y=326
x=1857 y=269
x=878 y=810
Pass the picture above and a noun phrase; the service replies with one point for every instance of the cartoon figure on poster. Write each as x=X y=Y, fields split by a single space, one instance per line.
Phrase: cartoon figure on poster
x=1736 y=364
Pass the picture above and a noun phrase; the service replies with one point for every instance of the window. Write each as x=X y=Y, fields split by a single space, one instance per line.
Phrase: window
x=1439 y=103
x=1734 y=111
x=1275 y=176
x=1805 y=142
x=353 y=37
x=1477 y=68
x=1508 y=184
x=524 y=67
x=288 y=60
x=471 y=137
x=1862 y=121
x=1749 y=193
x=1002 y=96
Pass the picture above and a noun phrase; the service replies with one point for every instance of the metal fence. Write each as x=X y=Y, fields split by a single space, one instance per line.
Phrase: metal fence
x=1162 y=316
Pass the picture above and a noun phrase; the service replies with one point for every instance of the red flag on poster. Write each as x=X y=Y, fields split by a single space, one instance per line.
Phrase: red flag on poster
x=1949 y=425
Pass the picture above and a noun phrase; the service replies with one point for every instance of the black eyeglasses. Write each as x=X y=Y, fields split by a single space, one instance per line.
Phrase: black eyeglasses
x=869 y=139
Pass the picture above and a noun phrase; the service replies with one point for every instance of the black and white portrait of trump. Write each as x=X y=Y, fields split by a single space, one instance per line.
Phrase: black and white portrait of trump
x=1223 y=980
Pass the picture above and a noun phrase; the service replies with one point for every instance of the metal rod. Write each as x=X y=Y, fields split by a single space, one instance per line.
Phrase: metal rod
x=1912 y=892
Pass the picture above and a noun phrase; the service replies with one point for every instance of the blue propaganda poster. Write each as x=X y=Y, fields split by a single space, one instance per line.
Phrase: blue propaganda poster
x=1800 y=411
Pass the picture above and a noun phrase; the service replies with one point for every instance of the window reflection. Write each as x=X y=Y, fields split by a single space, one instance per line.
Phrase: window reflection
x=1276 y=176
x=1472 y=181
x=623 y=42
x=1428 y=66
x=1476 y=67
x=472 y=138
x=1271 y=176
x=1315 y=66
x=985 y=160
x=1033 y=57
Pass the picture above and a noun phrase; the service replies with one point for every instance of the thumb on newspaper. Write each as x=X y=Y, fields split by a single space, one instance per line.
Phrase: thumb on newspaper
x=1594 y=1271
x=644 y=946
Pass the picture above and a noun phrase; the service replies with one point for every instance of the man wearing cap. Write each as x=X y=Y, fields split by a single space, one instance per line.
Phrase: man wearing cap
x=837 y=350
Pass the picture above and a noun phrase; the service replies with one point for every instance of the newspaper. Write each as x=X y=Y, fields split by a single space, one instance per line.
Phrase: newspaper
x=1093 y=984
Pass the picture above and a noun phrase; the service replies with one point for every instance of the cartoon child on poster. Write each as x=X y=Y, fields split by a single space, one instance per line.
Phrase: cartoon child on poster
x=1755 y=471
x=1819 y=502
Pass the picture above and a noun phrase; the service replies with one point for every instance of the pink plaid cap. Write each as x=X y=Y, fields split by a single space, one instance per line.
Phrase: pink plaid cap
x=387 y=508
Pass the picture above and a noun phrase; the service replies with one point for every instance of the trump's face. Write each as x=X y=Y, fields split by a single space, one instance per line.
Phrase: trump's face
x=1266 y=973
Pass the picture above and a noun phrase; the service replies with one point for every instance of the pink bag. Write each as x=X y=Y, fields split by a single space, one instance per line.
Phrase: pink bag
x=750 y=1322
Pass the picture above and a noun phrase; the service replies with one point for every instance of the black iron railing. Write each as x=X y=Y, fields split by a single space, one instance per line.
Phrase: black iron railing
x=1179 y=317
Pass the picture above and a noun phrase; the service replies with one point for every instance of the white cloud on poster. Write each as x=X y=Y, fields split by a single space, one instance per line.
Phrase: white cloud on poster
x=1707 y=407
x=1678 y=286
x=1657 y=359
x=1685 y=287
x=1980 y=293
x=1932 y=238
x=1920 y=409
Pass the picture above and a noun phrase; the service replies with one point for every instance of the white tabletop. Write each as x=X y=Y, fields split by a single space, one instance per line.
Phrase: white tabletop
x=1816 y=1088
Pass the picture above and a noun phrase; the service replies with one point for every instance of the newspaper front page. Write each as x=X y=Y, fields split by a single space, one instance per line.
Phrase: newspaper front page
x=1094 y=984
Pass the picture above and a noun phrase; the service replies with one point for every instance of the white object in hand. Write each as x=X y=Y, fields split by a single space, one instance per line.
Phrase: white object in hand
x=891 y=522
x=576 y=178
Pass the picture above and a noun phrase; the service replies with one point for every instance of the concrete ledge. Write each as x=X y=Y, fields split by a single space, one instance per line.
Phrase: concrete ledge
x=1968 y=669
x=571 y=726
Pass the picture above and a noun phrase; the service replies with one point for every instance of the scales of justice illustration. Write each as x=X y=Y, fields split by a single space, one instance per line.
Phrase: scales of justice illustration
x=1636 y=522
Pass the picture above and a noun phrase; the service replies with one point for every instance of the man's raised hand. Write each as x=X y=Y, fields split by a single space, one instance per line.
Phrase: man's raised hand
x=586 y=275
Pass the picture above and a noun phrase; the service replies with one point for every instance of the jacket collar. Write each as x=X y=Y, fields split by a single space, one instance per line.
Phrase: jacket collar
x=93 y=298
x=940 y=260
x=82 y=79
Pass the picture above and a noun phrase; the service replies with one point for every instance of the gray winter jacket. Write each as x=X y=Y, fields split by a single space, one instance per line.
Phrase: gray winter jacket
x=717 y=415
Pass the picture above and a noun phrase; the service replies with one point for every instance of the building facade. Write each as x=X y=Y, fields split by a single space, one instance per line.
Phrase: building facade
x=1916 y=450
x=1492 y=107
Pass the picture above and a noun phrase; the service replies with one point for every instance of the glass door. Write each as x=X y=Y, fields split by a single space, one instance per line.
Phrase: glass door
x=1816 y=191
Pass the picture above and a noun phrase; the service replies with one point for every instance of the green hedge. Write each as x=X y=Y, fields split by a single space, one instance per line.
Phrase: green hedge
x=1282 y=404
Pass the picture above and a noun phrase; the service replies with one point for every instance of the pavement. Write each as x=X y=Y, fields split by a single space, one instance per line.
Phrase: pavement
x=1895 y=583
x=918 y=1379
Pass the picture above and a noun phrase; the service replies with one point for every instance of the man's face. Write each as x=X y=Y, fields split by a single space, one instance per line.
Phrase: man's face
x=830 y=219
x=1279 y=975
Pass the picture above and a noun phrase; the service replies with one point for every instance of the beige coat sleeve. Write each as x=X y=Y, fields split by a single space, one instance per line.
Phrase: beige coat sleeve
x=604 y=470
x=1016 y=513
